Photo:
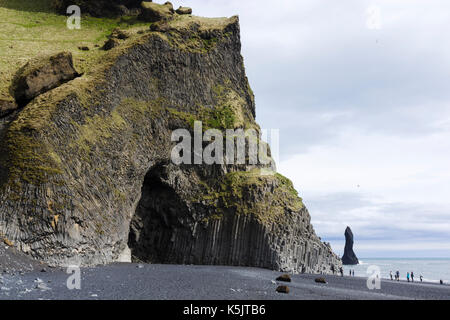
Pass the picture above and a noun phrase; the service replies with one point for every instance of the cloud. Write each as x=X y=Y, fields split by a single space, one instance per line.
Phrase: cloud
x=385 y=187
x=383 y=229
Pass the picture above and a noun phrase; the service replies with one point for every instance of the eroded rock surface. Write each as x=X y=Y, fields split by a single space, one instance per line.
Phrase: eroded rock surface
x=7 y=107
x=184 y=10
x=42 y=74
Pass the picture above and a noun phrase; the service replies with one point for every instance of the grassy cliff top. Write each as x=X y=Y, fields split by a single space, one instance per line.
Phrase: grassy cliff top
x=31 y=28
x=183 y=21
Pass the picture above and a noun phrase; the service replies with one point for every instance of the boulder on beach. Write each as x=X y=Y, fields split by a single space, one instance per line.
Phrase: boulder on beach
x=320 y=280
x=284 y=278
x=283 y=289
x=7 y=106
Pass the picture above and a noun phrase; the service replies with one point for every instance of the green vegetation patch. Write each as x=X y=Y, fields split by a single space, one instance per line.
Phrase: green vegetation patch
x=194 y=43
x=31 y=28
x=223 y=117
x=230 y=112
x=266 y=197
x=100 y=129
x=29 y=159
x=196 y=34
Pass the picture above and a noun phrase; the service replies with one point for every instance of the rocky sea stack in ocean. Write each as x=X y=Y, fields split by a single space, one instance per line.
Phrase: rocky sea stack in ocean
x=85 y=170
x=349 y=257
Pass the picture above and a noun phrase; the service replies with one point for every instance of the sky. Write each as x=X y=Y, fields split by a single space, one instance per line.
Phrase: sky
x=360 y=91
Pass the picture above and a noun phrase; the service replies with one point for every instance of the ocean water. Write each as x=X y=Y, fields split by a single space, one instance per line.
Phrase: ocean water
x=432 y=270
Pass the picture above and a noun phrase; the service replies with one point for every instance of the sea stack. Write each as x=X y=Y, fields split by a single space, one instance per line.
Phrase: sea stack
x=349 y=257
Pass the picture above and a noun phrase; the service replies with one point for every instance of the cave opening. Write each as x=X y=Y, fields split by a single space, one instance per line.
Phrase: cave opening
x=157 y=226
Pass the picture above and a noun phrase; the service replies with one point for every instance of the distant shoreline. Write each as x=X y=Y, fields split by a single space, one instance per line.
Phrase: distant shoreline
x=433 y=270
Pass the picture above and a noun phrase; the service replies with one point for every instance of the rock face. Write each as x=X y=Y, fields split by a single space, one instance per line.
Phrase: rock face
x=283 y=289
x=284 y=278
x=86 y=175
x=349 y=257
x=41 y=75
x=7 y=107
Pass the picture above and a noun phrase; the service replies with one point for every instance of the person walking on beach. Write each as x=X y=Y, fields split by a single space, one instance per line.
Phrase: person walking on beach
x=421 y=278
x=341 y=271
x=407 y=276
x=412 y=276
x=353 y=273
x=397 y=275
x=390 y=273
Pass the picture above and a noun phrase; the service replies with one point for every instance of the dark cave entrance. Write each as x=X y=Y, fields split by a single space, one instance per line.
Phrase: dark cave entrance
x=157 y=225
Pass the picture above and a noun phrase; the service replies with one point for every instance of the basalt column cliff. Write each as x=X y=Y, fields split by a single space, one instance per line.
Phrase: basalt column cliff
x=85 y=169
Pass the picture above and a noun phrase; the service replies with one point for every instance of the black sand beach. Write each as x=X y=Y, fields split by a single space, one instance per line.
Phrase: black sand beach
x=167 y=282
x=155 y=282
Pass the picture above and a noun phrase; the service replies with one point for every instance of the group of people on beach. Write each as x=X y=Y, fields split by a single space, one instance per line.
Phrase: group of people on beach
x=341 y=271
x=396 y=276
x=409 y=276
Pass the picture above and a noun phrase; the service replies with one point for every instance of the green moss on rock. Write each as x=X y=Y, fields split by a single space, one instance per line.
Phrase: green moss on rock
x=29 y=160
x=266 y=197
x=230 y=111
